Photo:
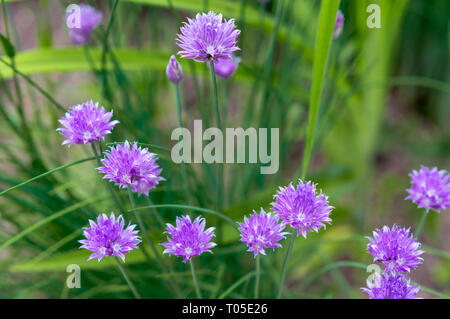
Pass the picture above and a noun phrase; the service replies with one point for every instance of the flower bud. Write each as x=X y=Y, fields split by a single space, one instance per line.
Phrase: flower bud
x=174 y=71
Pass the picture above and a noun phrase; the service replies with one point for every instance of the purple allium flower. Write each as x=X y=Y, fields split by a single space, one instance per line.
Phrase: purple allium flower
x=131 y=165
x=390 y=286
x=88 y=19
x=302 y=208
x=430 y=188
x=174 y=71
x=86 y=123
x=226 y=67
x=188 y=238
x=207 y=38
x=396 y=248
x=109 y=238
x=261 y=231
x=339 y=24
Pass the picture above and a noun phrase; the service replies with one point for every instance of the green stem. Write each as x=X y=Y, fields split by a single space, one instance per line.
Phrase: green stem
x=111 y=191
x=421 y=224
x=194 y=278
x=183 y=165
x=151 y=244
x=46 y=173
x=195 y=208
x=157 y=215
x=106 y=50
x=127 y=279
x=285 y=264
x=258 y=262
x=35 y=85
x=220 y=165
x=144 y=232
x=5 y=18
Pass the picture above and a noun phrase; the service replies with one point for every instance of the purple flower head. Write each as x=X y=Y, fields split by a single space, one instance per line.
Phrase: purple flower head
x=207 y=38
x=390 y=286
x=430 y=188
x=261 y=231
x=396 y=248
x=302 y=208
x=86 y=123
x=131 y=165
x=109 y=238
x=83 y=22
x=339 y=24
x=174 y=71
x=226 y=67
x=188 y=238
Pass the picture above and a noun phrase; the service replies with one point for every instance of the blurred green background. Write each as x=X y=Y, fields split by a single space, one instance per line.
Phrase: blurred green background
x=384 y=110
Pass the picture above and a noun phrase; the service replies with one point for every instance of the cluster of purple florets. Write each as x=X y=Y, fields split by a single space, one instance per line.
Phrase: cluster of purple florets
x=399 y=251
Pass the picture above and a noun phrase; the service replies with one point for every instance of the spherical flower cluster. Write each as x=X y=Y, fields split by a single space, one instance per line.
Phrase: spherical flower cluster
x=430 y=188
x=226 y=67
x=87 y=19
x=396 y=248
x=339 y=25
x=390 y=286
x=302 y=208
x=131 y=166
x=207 y=38
x=108 y=237
x=85 y=123
x=261 y=231
x=189 y=238
x=174 y=71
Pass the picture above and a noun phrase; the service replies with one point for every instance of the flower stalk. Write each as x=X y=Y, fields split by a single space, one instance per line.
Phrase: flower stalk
x=127 y=279
x=194 y=279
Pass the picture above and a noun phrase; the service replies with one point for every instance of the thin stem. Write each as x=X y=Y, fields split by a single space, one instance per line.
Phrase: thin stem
x=151 y=244
x=106 y=50
x=183 y=165
x=258 y=262
x=157 y=215
x=144 y=232
x=194 y=278
x=34 y=84
x=285 y=264
x=220 y=167
x=111 y=191
x=421 y=224
x=125 y=275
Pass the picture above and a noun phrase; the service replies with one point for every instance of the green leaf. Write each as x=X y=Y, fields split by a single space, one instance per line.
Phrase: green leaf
x=327 y=21
x=47 y=173
x=79 y=257
x=7 y=46
x=50 y=218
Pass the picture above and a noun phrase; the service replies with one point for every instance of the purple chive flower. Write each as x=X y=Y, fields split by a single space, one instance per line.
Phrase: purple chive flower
x=109 y=238
x=261 y=231
x=302 y=208
x=430 y=188
x=207 y=38
x=339 y=26
x=396 y=248
x=226 y=67
x=188 y=238
x=390 y=286
x=86 y=123
x=131 y=165
x=174 y=71
x=88 y=19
